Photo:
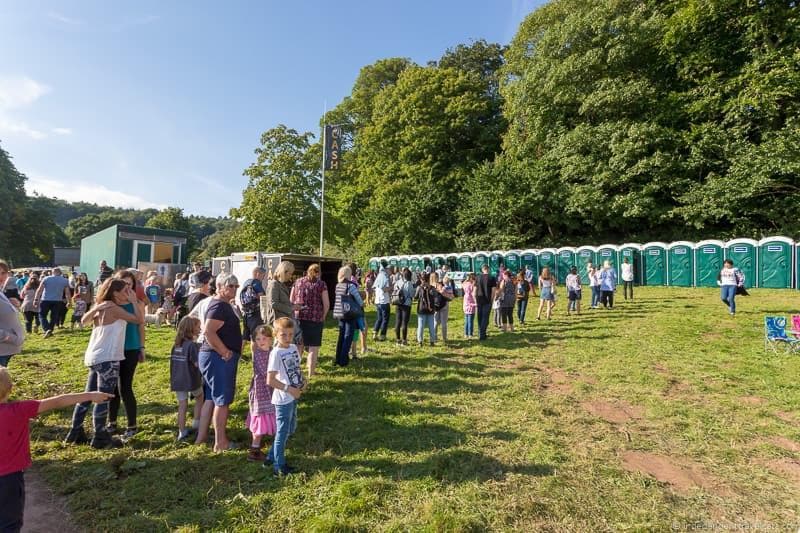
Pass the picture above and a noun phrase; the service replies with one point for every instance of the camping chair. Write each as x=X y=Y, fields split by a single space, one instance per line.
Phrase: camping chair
x=775 y=335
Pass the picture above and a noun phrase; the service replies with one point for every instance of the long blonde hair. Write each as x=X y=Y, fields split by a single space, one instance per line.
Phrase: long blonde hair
x=284 y=271
x=188 y=328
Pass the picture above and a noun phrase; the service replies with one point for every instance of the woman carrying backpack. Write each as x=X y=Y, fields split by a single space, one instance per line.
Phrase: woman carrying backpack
x=402 y=297
x=347 y=308
x=508 y=294
x=441 y=303
x=425 y=295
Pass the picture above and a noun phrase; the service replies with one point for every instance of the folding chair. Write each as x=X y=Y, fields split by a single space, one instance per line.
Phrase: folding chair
x=775 y=335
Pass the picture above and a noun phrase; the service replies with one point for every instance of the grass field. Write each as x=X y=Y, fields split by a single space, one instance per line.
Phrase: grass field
x=664 y=413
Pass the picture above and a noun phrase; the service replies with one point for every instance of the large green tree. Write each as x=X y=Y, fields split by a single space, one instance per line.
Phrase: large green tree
x=174 y=219
x=280 y=206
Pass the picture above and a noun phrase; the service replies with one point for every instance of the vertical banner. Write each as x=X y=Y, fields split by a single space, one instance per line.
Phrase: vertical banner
x=333 y=147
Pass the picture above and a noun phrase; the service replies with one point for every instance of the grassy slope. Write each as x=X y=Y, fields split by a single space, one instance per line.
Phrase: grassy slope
x=467 y=437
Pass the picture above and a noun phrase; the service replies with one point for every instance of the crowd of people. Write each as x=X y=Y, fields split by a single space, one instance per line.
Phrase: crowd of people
x=282 y=317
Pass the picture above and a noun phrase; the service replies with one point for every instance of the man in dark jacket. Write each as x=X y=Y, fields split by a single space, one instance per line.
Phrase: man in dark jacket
x=485 y=287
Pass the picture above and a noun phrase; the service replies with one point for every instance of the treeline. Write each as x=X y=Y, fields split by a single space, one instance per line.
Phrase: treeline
x=602 y=121
x=33 y=225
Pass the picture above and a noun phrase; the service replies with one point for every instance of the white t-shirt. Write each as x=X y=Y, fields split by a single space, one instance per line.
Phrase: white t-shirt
x=727 y=276
x=627 y=271
x=382 y=281
x=573 y=282
x=286 y=362
x=199 y=312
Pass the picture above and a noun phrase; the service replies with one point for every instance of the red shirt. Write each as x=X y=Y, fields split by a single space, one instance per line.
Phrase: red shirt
x=15 y=442
x=309 y=295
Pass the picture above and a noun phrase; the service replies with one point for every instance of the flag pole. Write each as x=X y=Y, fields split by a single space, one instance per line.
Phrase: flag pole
x=322 y=193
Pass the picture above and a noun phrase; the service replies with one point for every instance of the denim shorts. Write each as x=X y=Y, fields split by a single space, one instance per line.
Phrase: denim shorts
x=219 y=377
x=546 y=294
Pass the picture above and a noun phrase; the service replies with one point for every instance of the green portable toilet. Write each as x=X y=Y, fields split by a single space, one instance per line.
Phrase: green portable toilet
x=654 y=257
x=374 y=263
x=547 y=258
x=437 y=261
x=393 y=261
x=744 y=254
x=583 y=256
x=775 y=262
x=528 y=259
x=402 y=261
x=495 y=260
x=633 y=251
x=512 y=261
x=680 y=264
x=607 y=252
x=452 y=262
x=478 y=260
x=415 y=263
x=465 y=262
x=708 y=256
x=565 y=260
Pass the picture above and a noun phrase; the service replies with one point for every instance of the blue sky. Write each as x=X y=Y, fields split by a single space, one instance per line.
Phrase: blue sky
x=149 y=104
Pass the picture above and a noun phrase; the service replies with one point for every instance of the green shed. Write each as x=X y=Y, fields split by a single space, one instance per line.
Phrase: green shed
x=583 y=256
x=608 y=252
x=680 y=264
x=708 y=256
x=512 y=261
x=775 y=262
x=465 y=262
x=123 y=246
x=633 y=252
x=528 y=259
x=565 y=260
x=744 y=254
x=654 y=257
x=547 y=258
x=478 y=260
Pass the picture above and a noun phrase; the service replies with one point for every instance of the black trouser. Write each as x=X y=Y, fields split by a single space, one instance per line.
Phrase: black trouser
x=250 y=323
x=12 y=501
x=626 y=285
x=401 y=324
x=483 y=319
x=62 y=313
x=607 y=298
x=127 y=369
x=507 y=316
x=30 y=317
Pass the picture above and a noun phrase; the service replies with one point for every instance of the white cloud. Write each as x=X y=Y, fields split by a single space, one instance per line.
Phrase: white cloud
x=18 y=128
x=55 y=15
x=85 y=192
x=62 y=131
x=19 y=92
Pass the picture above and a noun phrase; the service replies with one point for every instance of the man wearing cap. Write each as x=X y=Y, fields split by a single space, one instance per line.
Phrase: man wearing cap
x=52 y=292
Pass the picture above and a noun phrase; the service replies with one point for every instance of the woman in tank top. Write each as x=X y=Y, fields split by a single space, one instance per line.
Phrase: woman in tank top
x=547 y=293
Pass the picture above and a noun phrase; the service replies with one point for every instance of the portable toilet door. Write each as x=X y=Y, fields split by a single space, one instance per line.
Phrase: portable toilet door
x=565 y=260
x=583 y=256
x=633 y=252
x=608 y=252
x=478 y=260
x=402 y=261
x=464 y=262
x=452 y=262
x=775 y=262
x=495 y=260
x=427 y=263
x=744 y=254
x=654 y=257
x=374 y=263
x=680 y=264
x=394 y=261
x=528 y=259
x=415 y=263
x=512 y=261
x=708 y=257
x=547 y=258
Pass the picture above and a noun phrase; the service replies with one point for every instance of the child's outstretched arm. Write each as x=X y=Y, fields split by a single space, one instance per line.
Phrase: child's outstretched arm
x=65 y=400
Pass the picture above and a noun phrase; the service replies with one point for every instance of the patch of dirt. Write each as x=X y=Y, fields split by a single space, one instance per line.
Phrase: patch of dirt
x=752 y=400
x=618 y=412
x=788 y=417
x=661 y=369
x=676 y=388
x=513 y=365
x=681 y=477
x=787 y=467
x=787 y=444
x=557 y=381
x=711 y=336
x=44 y=511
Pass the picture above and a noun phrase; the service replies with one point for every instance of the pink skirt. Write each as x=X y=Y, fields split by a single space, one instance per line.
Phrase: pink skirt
x=261 y=424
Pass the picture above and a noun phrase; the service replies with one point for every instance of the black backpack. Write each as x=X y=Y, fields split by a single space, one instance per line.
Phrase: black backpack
x=344 y=306
x=425 y=305
x=439 y=300
x=249 y=298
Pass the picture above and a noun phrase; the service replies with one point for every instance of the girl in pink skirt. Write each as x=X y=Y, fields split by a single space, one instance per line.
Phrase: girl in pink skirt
x=261 y=419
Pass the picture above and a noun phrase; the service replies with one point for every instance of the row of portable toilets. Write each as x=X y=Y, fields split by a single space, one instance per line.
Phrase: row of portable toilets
x=769 y=262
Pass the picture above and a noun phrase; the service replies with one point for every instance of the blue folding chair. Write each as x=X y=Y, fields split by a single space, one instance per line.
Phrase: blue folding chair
x=775 y=335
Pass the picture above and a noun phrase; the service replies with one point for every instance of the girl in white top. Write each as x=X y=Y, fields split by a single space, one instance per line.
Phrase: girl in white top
x=730 y=278
x=594 y=284
x=105 y=351
x=626 y=269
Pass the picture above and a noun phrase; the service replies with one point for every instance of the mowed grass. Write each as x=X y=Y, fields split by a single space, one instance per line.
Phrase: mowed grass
x=528 y=431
